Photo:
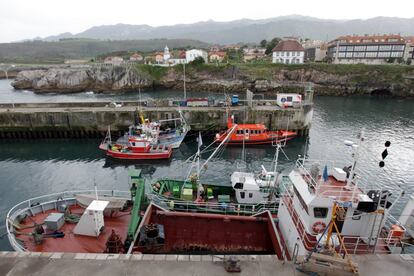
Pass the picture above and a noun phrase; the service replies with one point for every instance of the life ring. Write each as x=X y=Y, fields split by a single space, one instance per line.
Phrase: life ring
x=318 y=227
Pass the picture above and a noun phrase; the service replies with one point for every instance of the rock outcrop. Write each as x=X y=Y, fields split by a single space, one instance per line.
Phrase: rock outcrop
x=328 y=79
x=98 y=79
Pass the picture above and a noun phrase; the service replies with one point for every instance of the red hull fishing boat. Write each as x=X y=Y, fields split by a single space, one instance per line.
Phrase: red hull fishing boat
x=253 y=134
x=138 y=148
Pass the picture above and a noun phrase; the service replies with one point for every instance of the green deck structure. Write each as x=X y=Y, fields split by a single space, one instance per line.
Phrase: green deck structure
x=137 y=194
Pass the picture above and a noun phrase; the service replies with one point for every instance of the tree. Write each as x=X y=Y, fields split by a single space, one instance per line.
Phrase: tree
x=263 y=43
x=198 y=61
x=409 y=61
x=272 y=44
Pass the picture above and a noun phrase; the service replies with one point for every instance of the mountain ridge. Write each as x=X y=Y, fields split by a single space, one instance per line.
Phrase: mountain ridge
x=248 y=30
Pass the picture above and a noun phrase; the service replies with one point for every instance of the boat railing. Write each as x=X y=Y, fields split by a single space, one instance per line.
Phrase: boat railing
x=40 y=201
x=306 y=174
x=208 y=207
x=386 y=243
x=304 y=167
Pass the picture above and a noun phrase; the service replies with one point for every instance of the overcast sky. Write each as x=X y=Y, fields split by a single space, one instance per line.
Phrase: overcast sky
x=23 y=19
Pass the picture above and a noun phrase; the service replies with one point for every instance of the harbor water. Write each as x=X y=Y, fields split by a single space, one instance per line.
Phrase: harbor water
x=37 y=167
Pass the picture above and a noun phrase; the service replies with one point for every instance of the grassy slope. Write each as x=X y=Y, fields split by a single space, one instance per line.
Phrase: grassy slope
x=57 y=52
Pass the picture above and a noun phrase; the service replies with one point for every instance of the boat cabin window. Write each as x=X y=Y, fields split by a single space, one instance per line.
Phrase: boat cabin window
x=250 y=195
x=133 y=144
x=239 y=131
x=289 y=98
x=242 y=194
x=238 y=185
x=320 y=212
x=357 y=215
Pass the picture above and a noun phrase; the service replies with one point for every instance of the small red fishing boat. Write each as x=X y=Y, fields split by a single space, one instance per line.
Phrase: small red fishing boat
x=137 y=148
x=253 y=134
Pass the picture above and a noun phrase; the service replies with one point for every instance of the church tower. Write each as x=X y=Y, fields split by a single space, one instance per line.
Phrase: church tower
x=166 y=54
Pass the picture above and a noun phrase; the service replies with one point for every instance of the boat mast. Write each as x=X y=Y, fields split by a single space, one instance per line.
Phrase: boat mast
x=139 y=104
x=355 y=156
x=209 y=158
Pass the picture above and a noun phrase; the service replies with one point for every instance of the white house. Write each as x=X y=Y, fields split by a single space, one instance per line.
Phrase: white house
x=114 y=60
x=288 y=51
x=192 y=54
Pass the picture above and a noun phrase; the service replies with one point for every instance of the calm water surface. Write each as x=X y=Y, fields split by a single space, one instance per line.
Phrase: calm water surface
x=34 y=168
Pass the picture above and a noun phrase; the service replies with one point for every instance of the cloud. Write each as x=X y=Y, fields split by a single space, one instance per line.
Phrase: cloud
x=23 y=19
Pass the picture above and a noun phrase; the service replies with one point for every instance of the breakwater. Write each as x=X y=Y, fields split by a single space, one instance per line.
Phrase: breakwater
x=78 y=120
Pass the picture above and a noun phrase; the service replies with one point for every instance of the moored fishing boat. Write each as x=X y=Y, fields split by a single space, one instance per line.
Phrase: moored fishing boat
x=254 y=134
x=168 y=132
x=138 y=148
x=247 y=194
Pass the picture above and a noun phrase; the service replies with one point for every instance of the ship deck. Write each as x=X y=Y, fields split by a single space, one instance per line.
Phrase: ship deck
x=72 y=243
x=338 y=189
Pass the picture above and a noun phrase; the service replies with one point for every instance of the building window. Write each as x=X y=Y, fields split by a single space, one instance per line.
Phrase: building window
x=288 y=54
x=372 y=48
x=385 y=47
x=342 y=48
x=242 y=194
x=349 y=48
x=398 y=48
x=359 y=54
x=359 y=48
x=349 y=54
x=320 y=212
x=250 y=195
x=371 y=54
x=384 y=54
x=396 y=54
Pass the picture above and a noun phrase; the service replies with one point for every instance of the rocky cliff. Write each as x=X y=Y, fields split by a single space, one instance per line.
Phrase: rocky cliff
x=328 y=79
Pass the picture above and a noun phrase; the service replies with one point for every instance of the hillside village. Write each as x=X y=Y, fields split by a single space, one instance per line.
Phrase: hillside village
x=350 y=49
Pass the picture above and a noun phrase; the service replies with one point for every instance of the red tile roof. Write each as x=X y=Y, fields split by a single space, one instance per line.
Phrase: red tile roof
x=218 y=53
x=288 y=45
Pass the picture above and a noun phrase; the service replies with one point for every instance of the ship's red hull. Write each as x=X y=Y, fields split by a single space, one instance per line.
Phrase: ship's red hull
x=261 y=139
x=153 y=153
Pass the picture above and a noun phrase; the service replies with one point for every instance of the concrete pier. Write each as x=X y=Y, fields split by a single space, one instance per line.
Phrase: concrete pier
x=78 y=120
x=45 y=264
